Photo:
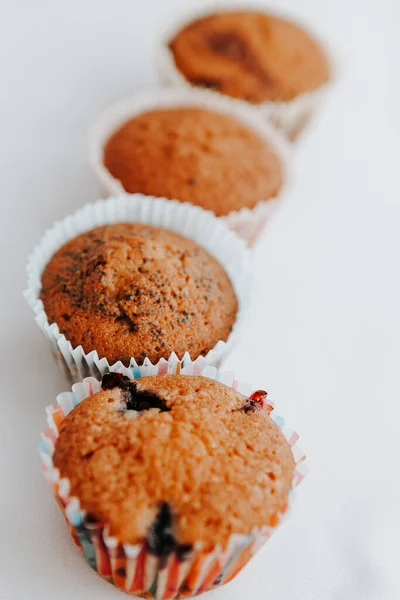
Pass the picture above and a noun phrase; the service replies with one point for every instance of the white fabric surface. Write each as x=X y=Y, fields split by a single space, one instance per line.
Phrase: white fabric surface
x=324 y=336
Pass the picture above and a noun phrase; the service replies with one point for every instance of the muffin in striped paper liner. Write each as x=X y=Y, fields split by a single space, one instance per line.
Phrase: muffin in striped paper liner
x=290 y=116
x=192 y=222
x=135 y=568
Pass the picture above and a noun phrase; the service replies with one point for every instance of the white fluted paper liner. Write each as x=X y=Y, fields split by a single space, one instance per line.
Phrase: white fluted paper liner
x=247 y=222
x=133 y=568
x=291 y=116
x=182 y=218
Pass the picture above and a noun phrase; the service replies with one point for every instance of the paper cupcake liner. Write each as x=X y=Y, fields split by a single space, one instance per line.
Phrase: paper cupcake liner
x=247 y=222
x=132 y=568
x=182 y=218
x=290 y=117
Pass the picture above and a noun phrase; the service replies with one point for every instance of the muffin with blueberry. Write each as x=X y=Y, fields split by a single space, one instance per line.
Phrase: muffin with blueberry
x=176 y=479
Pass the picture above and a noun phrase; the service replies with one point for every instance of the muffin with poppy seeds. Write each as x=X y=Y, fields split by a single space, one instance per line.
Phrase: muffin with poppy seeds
x=130 y=290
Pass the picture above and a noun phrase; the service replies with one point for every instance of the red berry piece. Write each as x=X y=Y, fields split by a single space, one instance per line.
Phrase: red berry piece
x=257 y=401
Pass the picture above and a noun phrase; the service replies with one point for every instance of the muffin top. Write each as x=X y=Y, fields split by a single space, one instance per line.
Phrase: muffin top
x=179 y=456
x=134 y=290
x=194 y=155
x=253 y=56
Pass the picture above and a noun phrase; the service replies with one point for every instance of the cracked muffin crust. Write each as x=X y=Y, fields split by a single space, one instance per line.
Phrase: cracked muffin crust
x=175 y=460
x=194 y=155
x=134 y=290
x=250 y=55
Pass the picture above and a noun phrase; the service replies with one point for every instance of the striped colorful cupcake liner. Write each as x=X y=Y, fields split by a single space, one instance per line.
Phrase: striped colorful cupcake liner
x=290 y=117
x=133 y=568
x=247 y=222
x=182 y=218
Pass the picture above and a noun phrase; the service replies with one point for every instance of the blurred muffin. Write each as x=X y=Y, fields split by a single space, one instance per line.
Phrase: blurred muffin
x=253 y=56
x=130 y=290
x=268 y=62
x=194 y=155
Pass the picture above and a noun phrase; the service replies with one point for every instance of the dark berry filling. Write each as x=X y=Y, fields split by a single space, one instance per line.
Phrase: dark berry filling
x=143 y=400
x=138 y=400
x=255 y=402
x=112 y=380
x=160 y=538
x=91 y=519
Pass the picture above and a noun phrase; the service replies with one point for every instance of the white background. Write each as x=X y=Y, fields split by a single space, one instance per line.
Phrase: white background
x=324 y=336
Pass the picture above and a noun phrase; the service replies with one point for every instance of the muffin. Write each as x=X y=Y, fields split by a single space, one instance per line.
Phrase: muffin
x=171 y=482
x=194 y=155
x=194 y=146
x=133 y=290
x=184 y=220
x=252 y=56
x=256 y=57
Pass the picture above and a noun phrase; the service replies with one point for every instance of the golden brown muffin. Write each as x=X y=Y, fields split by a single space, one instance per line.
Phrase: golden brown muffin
x=175 y=455
x=133 y=290
x=194 y=155
x=253 y=56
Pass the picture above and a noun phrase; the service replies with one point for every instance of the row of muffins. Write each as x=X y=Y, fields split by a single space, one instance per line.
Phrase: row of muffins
x=170 y=473
x=207 y=139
